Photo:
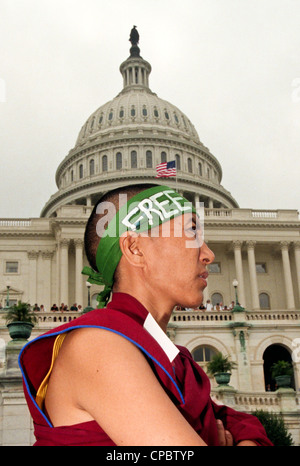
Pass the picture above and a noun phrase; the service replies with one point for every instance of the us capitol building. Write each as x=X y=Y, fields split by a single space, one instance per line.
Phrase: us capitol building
x=257 y=253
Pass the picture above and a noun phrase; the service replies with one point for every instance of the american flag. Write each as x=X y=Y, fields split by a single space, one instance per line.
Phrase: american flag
x=166 y=169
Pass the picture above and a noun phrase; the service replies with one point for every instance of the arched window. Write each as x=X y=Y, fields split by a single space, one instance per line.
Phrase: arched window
x=200 y=169
x=177 y=162
x=121 y=114
x=163 y=157
x=190 y=165
x=118 y=161
x=264 y=301
x=203 y=354
x=104 y=163
x=144 y=111
x=148 y=159
x=133 y=159
x=110 y=116
x=80 y=171
x=216 y=298
x=132 y=112
x=273 y=354
x=92 y=167
x=156 y=112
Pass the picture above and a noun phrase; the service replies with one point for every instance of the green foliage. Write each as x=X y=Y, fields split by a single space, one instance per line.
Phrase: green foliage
x=275 y=428
x=220 y=363
x=281 y=368
x=20 y=312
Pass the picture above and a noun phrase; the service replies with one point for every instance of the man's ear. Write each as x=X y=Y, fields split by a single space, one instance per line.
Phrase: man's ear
x=129 y=245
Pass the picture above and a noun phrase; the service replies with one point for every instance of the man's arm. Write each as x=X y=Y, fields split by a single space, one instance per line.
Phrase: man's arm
x=110 y=381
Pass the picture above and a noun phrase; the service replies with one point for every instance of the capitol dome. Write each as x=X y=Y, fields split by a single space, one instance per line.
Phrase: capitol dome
x=123 y=140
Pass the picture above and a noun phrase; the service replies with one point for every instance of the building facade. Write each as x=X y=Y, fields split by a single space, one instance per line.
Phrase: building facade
x=119 y=145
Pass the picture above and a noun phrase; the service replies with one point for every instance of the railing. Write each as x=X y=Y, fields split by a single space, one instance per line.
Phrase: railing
x=201 y=316
x=273 y=315
x=250 y=401
x=204 y=317
x=10 y=222
x=55 y=318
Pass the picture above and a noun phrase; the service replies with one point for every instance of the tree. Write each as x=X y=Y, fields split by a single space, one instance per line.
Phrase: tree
x=275 y=428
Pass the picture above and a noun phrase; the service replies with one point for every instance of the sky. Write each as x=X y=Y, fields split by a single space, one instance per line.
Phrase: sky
x=232 y=66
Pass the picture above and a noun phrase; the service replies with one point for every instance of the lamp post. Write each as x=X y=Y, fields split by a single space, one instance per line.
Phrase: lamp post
x=237 y=307
x=88 y=307
x=7 y=293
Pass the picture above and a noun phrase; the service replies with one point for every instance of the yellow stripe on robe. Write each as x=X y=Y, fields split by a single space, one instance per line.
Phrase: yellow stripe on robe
x=41 y=393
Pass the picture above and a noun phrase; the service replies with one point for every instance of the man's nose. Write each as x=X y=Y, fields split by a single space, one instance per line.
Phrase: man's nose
x=206 y=254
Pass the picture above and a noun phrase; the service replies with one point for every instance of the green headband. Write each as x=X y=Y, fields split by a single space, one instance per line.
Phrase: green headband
x=142 y=212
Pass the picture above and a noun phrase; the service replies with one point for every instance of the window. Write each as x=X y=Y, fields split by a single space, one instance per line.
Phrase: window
x=190 y=165
x=92 y=123
x=166 y=115
x=145 y=113
x=163 y=157
x=208 y=173
x=215 y=267
x=92 y=167
x=133 y=157
x=264 y=301
x=132 y=112
x=121 y=114
x=203 y=353
x=148 y=159
x=200 y=169
x=72 y=175
x=118 y=161
x=11 y=267
x=80 y=171
x=104 y=163
x=176 y=118
x=156 y=112
x=110 y=116
x=177 y=162
x=216 y=298
x=261 y=267
x=101 y=119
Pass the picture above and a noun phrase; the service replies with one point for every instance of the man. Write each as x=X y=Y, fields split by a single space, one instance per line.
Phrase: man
x=115 y=377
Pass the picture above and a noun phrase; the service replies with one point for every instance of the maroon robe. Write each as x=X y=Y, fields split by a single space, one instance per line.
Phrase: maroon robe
x=183 y=380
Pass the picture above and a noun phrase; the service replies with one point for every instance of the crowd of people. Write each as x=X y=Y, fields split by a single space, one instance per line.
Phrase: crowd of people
x=208 y=306
x=54 y=308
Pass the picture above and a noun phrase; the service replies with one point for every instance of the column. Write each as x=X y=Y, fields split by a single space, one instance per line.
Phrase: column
x=297 y=260
x=47 y=282
x=78 y=268
x=210 y=203
x=64 y=271
x=253 y=276
x=237 y=248
x=284 y=246
x=32 y=288
x=197 y=199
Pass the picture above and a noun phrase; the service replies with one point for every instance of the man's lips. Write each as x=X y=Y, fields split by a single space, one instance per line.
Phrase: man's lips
x=203 y=277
